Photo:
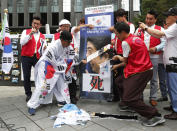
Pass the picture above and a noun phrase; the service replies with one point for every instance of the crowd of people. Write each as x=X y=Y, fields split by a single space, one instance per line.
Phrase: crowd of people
x=147 y=54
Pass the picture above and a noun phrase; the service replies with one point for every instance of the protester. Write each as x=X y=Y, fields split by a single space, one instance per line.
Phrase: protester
x=33 y=44
x=155 y=47
x=162 y=77
x=137 y=73
x=50 y=74
x=76 y=32
x=64 y=25
x=121 y=16
x=169 y=53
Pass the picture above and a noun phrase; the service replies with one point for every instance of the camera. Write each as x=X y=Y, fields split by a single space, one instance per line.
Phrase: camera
x=172 y=67
x=174 y=59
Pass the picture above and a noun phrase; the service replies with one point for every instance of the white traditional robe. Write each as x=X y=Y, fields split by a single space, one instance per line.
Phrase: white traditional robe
x=50 y=76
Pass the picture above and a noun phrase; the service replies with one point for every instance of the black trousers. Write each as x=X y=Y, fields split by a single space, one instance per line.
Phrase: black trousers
x=117 y=73
x=72 y=89
x=27 y=63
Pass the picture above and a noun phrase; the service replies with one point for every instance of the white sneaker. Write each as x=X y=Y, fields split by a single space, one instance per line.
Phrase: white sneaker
x=153 y=121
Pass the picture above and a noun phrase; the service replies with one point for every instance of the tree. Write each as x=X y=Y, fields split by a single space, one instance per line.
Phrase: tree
x=158 y=5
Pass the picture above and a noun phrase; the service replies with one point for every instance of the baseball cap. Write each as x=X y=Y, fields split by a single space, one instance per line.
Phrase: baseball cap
x=64 y=21
x=171 y=12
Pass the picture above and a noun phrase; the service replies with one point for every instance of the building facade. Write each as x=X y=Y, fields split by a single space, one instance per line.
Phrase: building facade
x=21 y=12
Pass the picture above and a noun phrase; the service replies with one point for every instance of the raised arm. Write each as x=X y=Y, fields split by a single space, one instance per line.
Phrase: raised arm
x=77 y=29
x=153 y=32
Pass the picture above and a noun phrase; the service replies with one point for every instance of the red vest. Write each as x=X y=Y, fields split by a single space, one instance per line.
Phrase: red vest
x=138 y=59
x=129 y=23
x=153 y=41
x=29 y=48
x=118 y=44
x=57 y=36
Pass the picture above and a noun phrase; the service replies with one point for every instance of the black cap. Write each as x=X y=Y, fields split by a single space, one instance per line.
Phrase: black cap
x=171 y=12
x=66 y=36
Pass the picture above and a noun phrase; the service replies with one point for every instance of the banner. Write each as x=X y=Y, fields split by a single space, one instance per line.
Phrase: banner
x=100 y=15
x=96 y=74
x=7 y=56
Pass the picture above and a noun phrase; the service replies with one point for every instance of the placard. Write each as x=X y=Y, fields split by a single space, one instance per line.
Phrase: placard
x=96 y=74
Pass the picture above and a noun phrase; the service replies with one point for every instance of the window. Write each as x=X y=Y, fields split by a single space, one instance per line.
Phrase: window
x=20 y=19
x=54 y=6
x=67 y=16
x=115 y=3
x=54 y=2
x=10 y=2
x=89 y=3
x=101 y=2
x=20 y=6
x=78 y=6
x=55 y=18
x=43 y=6
x=43 y=2
x=44 y=18
x=10 y=19
x=9 y=6
x=30 y=18
x=67 y=5
x=32 y=6
x=125 y=5
x=136 y=5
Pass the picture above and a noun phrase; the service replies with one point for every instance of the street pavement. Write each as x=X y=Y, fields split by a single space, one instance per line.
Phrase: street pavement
x=13 y=110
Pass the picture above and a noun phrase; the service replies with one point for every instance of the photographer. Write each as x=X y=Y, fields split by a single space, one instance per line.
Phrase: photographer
x=170 y=52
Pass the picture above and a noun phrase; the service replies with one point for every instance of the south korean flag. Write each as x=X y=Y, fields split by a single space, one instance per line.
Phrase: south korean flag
x=7 y=56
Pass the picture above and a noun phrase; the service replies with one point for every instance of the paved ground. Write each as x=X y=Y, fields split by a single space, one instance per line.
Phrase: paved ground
x=13 y=110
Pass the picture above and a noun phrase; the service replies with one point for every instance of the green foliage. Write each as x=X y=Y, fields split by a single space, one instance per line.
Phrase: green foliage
x=158 y=5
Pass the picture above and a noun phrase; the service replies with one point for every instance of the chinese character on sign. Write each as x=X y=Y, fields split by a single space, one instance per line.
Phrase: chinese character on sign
x=97 y=83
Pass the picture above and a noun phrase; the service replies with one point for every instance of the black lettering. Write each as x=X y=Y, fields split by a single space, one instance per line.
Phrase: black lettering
x=49 y=55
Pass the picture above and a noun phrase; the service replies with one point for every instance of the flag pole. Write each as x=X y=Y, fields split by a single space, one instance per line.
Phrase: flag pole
x=7 y=55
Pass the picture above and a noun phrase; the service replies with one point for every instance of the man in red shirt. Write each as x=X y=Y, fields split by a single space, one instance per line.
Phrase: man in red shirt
x=137 y=73
x=33 y=42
